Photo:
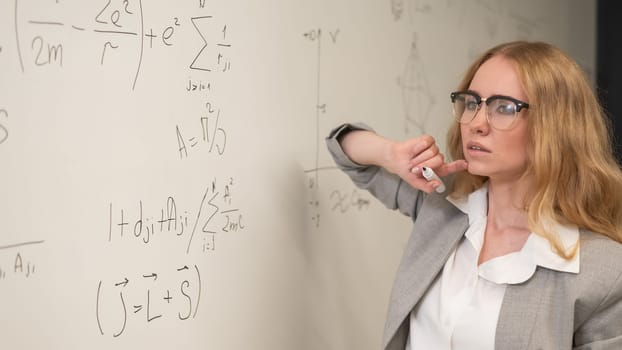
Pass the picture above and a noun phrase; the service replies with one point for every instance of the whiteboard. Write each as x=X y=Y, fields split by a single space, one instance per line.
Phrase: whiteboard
x=164 y=176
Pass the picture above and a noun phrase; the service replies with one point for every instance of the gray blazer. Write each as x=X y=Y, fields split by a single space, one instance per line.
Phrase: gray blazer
x=552 y=310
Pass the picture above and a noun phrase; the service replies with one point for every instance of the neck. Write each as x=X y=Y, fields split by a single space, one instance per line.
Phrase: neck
x=506 y=204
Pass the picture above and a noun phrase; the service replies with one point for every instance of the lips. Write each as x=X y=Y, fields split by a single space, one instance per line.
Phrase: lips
x=477 y=147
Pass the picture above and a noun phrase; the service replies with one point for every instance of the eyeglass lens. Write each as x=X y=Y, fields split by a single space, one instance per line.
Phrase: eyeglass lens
x=501 y=112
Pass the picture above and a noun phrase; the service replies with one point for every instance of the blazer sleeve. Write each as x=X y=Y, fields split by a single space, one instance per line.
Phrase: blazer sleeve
x=388 y=188
x=603 y=329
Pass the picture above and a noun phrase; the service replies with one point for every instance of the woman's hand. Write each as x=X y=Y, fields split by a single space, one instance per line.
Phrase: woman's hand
x=407 y=158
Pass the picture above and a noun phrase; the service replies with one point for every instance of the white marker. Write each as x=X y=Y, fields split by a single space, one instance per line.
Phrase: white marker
x=430 y=175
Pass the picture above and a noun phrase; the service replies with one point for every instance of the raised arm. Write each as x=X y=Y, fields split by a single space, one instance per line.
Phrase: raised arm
x=389 y=170
x=404 y=159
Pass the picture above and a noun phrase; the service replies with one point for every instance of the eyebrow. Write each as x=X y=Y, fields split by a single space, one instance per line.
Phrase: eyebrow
x=495 y=95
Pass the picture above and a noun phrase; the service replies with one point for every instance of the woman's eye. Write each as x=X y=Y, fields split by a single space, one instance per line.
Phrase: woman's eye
x=506 y=108
x=471 y=105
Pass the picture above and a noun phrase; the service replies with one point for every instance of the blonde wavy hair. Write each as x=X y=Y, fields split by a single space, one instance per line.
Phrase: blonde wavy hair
x=574 y=175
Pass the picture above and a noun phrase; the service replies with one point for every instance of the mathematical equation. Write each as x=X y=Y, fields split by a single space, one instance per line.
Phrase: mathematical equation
x=212 y=135
x=118 y=27
x=16 y=260
x=174 y=294
x=215 y=214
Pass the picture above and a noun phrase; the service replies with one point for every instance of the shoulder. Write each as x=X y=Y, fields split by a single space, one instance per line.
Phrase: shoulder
x=600 y=254
x=600 y=264
x=599 y=282
x=599 y=277
x=598 y=302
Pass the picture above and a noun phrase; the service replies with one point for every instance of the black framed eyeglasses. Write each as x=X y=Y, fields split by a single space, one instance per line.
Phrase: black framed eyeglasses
x=502 y=111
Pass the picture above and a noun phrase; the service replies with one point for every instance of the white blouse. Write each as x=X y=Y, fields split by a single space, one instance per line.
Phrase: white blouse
x=461 y=308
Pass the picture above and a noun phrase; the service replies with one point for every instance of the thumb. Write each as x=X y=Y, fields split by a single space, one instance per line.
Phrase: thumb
x=452 y=167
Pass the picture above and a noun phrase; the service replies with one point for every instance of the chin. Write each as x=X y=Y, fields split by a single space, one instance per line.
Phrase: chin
x=478 y=170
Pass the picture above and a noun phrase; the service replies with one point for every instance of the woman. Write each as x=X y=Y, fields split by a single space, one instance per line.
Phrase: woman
x=523 y=250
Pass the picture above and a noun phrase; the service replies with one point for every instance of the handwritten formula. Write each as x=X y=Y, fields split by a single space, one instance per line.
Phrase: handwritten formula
x=147 y=298
x=196 y=224
x=46 y=35
x=18 y=261
x=207 y=132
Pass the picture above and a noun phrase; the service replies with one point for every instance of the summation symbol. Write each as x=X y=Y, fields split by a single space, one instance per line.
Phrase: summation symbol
x=194 y=20
x=217 y=214
x=221 y=62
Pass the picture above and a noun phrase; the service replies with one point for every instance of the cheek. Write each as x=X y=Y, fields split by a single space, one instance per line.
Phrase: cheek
x=521 y=158
x=463 y=132
x=516 y=147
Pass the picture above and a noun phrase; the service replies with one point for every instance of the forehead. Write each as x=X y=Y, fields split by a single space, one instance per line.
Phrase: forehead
x=497 y=76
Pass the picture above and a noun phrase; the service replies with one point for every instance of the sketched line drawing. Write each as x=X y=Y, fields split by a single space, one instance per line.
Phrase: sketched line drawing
x=397 y=9
x=417 y=99
x=410 y=7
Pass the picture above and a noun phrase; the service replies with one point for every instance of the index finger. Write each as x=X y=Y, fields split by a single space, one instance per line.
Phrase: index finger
x=452 y=167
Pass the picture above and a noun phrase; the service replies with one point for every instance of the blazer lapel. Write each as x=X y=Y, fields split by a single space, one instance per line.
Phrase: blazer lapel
x=517 y=317
x=438 y=229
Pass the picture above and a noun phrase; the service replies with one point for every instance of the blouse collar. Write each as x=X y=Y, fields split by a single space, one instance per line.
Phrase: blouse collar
x=519 y=266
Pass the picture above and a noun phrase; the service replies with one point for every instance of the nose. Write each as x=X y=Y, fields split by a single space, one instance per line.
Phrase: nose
x=480 y=124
